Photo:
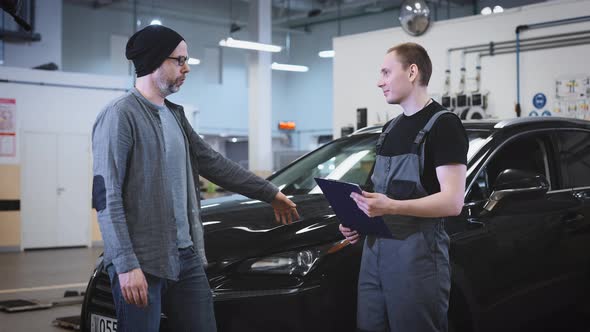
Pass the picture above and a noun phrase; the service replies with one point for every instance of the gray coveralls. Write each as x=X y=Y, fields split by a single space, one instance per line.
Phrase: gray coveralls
x=404 y=282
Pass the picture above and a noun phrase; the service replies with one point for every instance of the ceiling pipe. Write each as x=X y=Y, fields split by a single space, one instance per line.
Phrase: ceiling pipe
x=493 y=48
x=496 y=49
x=328 y=14
x=520 y=45
x=507 y=42
x=447 y=85
x=462 y=77
x=327 y=10
x=478 y=73
x=543 y=46
x=184 y=16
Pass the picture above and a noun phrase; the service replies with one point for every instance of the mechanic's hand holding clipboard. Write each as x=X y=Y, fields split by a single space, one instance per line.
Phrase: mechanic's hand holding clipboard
x=354 y=221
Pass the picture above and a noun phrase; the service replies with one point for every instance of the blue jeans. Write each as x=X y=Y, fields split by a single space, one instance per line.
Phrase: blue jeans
x=404 y=285
x=187 y=303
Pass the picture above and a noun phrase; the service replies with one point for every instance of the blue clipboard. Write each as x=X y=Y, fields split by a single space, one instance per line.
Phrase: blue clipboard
x=338 y=194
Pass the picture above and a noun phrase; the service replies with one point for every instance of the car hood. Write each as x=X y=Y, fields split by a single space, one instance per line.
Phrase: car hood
x=238 y=228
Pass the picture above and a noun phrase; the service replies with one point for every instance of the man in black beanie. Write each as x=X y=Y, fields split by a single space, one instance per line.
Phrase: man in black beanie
x=147 y=161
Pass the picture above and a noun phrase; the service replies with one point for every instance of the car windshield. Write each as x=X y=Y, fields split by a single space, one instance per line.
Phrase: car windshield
x=348 y=159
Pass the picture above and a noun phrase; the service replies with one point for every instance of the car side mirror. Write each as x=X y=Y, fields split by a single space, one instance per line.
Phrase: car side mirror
x=517 y=184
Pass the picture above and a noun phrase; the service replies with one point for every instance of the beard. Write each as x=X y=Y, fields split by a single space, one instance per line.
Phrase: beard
x=168 y=86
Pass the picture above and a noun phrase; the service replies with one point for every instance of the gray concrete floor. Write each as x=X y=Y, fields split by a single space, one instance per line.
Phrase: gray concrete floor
x=44 y=276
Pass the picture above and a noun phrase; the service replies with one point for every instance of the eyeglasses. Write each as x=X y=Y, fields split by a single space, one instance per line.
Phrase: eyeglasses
x=181 y=60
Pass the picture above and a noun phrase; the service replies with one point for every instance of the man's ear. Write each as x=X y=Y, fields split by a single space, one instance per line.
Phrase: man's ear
x=413 y=73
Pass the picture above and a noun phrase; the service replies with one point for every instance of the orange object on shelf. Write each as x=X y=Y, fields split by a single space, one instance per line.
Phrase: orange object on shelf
x=287 y=125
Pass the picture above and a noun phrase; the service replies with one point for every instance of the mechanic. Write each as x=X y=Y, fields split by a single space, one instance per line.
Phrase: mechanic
x=419 y=179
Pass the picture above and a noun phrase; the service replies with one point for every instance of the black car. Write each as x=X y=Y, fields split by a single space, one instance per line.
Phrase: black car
x=520 y=250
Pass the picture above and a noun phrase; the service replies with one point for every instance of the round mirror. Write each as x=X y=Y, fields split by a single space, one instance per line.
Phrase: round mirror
x=414 y=17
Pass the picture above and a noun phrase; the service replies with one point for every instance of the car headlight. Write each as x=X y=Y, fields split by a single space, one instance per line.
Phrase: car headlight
x=292 y=262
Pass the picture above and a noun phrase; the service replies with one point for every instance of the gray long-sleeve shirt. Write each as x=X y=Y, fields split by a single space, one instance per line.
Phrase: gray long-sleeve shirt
x=130 y=189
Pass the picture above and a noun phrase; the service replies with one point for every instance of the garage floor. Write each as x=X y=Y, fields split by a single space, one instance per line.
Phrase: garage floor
x=43 y=275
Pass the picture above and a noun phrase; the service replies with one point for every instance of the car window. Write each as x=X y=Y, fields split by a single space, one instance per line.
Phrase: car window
x=350 y=159
x=528 y=153
x=574 y=158
x=477 y=139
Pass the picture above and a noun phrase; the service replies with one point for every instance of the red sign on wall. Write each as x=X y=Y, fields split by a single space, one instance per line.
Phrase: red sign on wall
x=7 y=127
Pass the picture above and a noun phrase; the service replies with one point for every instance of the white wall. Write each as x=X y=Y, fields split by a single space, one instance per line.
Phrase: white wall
x=48 y=14
x=359 y=57
x=69 y=107
x=57 y=103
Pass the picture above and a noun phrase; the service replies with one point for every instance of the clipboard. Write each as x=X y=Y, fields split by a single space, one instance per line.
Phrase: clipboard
x=349 y=214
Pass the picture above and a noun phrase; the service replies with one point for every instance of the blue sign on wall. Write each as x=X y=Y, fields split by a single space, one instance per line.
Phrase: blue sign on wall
x=539 y=100
x=533 y=113
x=546 y=113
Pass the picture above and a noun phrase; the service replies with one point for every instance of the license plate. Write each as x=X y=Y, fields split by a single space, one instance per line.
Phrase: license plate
x=100 y=323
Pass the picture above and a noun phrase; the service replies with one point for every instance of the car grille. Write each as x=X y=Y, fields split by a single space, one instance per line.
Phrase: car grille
x=102 y=296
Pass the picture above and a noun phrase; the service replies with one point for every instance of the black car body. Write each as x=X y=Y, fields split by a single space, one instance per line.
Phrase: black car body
x=520 y=250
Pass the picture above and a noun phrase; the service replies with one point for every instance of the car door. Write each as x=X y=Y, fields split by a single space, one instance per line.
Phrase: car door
x=522 y=244
x=574 y=160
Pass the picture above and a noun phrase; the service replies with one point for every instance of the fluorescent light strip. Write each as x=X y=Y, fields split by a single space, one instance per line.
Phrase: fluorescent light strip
x=193 y=61
x=285 y=67
x=235 y=43
x=326 y=54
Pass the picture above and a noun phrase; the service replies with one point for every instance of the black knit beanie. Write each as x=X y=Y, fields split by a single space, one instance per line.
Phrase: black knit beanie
x=150 y=46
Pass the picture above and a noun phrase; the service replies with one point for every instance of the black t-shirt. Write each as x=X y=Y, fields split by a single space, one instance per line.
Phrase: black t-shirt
x=445 y=144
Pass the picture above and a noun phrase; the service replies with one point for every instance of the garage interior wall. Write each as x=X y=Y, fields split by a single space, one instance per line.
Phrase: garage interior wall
x=66 y=104
x=356 y=73
x=305 y=98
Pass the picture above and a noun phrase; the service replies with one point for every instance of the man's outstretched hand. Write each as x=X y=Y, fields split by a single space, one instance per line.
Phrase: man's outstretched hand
x=285 y=209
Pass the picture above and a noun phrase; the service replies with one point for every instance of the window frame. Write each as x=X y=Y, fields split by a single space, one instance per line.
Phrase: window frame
x=553 y=168
x=562 y=169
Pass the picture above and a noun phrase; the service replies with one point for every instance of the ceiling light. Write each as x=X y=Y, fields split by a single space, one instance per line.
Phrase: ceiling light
x=498 y=9
x=285 y=67
x=156 y=22
x=235 y=43
x=234 y=140
x=193 y=61
x=326 y=54
x=417 y=5
x=409 y=8
x=486 y=11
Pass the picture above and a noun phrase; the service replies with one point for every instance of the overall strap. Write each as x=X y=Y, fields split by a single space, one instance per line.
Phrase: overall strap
x=418 y=144
x=385 y=132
